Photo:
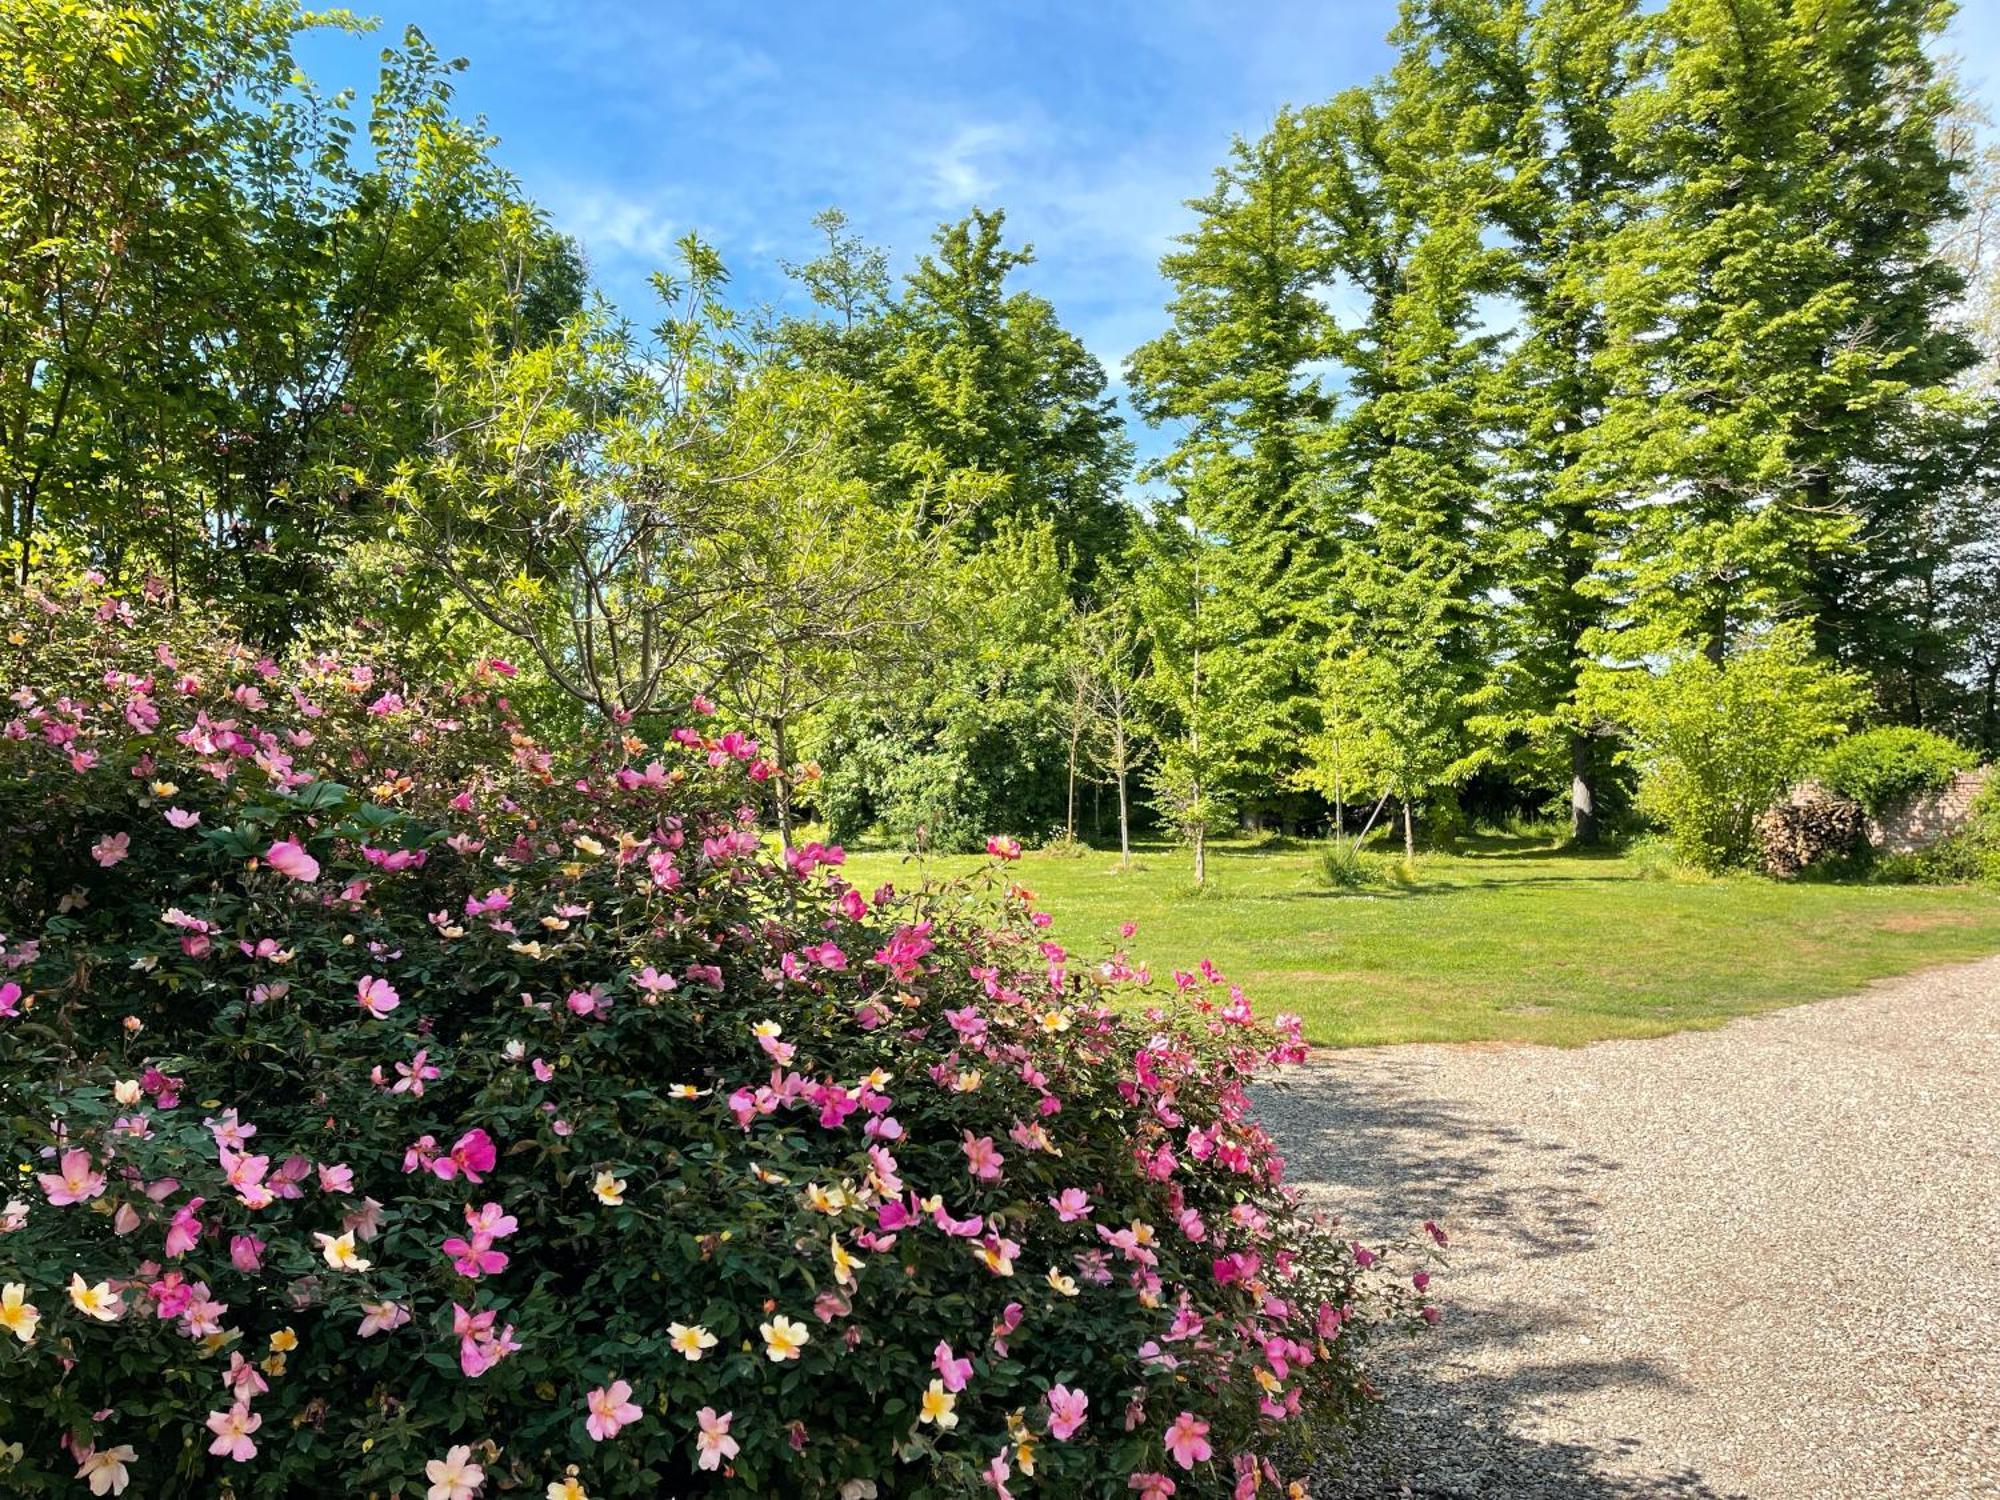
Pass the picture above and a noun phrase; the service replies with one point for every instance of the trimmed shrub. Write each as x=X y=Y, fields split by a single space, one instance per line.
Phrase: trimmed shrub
x=403 y=1107
x=1881 y=769
x=1812 y=829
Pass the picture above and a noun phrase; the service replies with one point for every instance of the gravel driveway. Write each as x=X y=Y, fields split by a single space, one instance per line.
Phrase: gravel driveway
x=1762 y=1261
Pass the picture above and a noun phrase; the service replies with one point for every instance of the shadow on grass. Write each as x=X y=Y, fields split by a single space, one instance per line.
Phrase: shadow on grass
x=1421 y=887
x=1490 y=846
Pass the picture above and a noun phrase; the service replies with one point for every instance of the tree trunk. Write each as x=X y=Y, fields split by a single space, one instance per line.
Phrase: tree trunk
x=27 y=535
x=1075 y=734
x=1409 y=831
x=1124 y=813
x=1582 y=796
x=1716 y=646
x=1989 y=718
x=1194 y=742
x=782 y=788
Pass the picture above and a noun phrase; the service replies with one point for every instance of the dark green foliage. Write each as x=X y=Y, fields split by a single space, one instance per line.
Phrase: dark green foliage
x=1591 y=333
x=1539 y=91
x=1236 y=375
x=1780 y=315
x=970 y=743
x=977 y=413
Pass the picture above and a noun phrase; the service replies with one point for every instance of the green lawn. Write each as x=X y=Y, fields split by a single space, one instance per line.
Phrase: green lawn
x=1508 y=941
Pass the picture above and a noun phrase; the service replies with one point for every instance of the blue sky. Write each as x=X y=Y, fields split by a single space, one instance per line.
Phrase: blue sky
x=1089 y=122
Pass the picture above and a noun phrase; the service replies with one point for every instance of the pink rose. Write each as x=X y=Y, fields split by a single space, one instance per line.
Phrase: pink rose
x=288 y=857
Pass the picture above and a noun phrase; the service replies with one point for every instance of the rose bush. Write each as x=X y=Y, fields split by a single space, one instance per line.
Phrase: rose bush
x=396 y=1106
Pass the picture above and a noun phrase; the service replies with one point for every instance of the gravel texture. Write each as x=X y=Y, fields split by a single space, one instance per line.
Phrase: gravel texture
x=1757 y=1262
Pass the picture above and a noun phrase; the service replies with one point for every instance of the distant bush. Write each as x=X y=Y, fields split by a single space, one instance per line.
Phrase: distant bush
x=1652 y=857
x=1343 y=867
x=1883 y=768
x=1374 y=865
x=1442 y=825
x=1950 y=861
x=399 y=1102
x=1717 y=744
x=1982 y=824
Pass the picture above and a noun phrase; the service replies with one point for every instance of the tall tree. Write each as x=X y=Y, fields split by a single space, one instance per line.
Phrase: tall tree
x=1964 y=588
x=623 y=505
x=1777 y=318
x=1547 y=82
x=976 y=412
x=1408 y=624
x=979 y=402
x=1329 y=369
x=834 y=598
x=1238 y=376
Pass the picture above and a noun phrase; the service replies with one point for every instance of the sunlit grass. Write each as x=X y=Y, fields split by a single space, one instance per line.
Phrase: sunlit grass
x=1511 y=940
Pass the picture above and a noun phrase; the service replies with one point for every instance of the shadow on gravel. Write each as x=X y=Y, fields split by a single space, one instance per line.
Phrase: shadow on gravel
x=1459 y=1439
x=1394 y=1157
x=1427 y=1447
x=1398 y=1158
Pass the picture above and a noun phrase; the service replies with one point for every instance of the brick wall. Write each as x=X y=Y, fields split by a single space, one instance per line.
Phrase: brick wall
x=1927 y=819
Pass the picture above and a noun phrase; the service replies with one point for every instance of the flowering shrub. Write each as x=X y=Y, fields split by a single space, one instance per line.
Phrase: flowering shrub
x=398 y=1107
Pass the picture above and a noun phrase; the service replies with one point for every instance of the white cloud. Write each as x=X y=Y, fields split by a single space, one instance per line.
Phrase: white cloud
x=613 y=224
x=962 y=170
x=636 y=121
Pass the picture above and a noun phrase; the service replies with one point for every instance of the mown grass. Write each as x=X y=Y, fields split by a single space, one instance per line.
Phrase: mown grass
x=1511 y=940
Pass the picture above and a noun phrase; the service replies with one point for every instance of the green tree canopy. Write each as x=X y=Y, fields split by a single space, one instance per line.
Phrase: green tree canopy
x=976 y=402
x=219 y=284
